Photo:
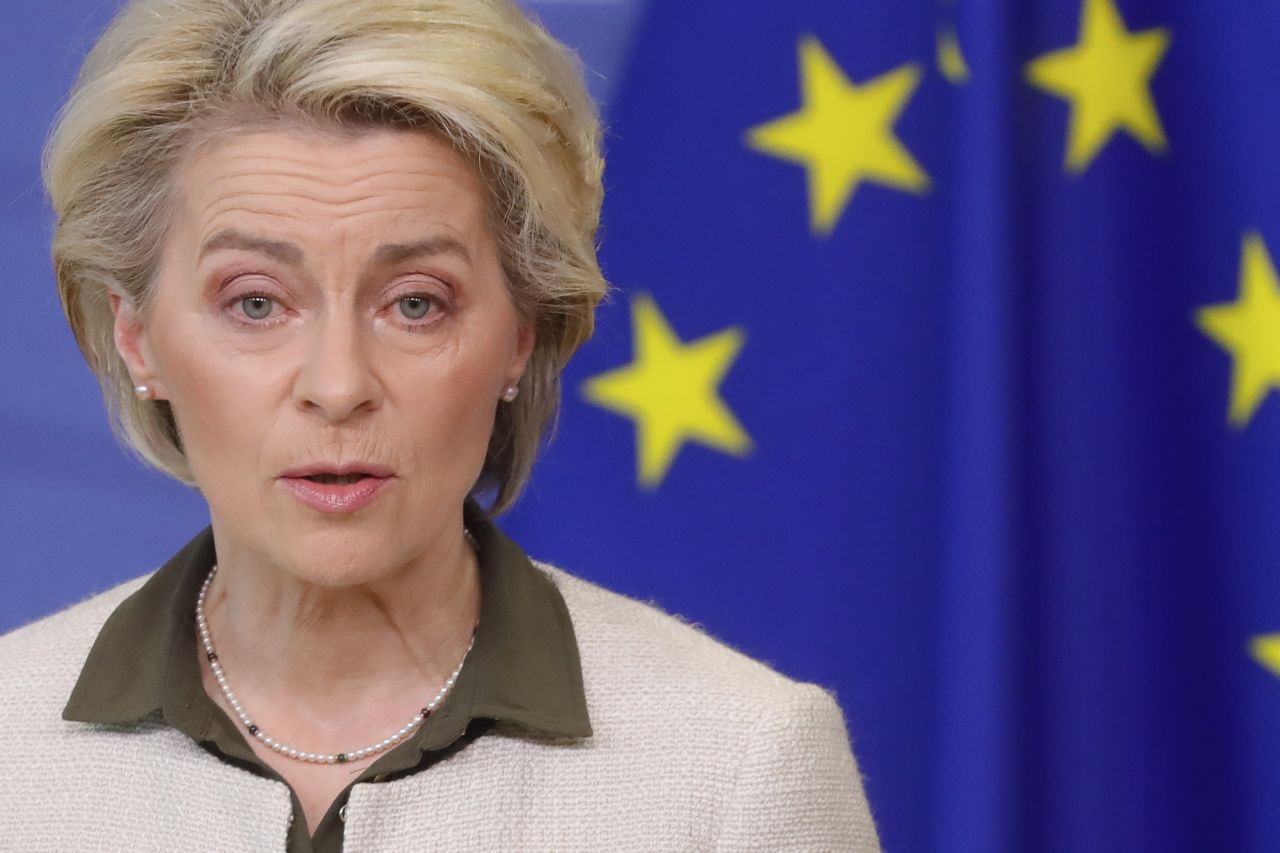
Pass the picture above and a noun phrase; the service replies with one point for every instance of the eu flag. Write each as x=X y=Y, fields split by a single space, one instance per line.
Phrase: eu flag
x=940 y=371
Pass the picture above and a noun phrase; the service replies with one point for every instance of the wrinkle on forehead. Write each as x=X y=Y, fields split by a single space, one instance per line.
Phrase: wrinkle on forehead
x=318 y=178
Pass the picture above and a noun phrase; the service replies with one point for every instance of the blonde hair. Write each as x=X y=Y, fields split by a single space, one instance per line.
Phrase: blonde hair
x=169 y=73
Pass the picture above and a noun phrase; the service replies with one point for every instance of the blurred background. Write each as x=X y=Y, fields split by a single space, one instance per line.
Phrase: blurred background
x=938 y=371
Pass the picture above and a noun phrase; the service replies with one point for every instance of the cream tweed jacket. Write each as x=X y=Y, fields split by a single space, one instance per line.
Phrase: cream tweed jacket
x=695 y=748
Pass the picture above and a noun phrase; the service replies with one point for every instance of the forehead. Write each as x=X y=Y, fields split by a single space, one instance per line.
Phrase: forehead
x=283 y=178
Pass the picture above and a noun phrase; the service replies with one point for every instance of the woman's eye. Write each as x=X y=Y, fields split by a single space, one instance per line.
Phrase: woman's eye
x=257 y=307
x=415 y=307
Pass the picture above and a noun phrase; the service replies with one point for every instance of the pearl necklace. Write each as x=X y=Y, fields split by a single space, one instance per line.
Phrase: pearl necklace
x=202 y=626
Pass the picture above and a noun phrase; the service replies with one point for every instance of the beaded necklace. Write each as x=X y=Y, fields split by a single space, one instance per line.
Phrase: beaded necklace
x=397 y=737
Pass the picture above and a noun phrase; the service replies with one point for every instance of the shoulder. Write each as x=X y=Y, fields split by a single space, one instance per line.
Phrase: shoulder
x=631 y=648
x=763 y=759
x=54 y=648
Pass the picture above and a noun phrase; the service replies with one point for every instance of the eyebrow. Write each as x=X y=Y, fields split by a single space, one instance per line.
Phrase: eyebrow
x=284 y=252
x=441 y=244
x=288 y=253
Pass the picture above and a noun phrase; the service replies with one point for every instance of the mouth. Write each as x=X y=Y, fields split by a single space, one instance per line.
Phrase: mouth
x=337 y=489
x=338 y=475
x=337 y=479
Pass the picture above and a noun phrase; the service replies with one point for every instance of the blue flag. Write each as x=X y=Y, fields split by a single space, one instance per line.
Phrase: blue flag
x=940 y=371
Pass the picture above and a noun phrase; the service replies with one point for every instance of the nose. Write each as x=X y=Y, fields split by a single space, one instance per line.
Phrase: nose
x=337 y=380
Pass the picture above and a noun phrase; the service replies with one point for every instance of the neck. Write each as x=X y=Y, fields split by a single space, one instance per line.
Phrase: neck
x=334 y=652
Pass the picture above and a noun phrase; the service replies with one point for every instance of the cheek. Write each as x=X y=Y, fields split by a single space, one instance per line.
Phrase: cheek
x=446 y=411
x=218 y=401
x=451 y=411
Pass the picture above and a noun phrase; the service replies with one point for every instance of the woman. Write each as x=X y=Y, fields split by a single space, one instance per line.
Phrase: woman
x=328 y=258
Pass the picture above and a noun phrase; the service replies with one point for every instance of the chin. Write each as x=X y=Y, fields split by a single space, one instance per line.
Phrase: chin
x=351 y=555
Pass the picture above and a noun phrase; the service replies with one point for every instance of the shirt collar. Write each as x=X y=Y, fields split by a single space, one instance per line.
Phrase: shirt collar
x=523 y=668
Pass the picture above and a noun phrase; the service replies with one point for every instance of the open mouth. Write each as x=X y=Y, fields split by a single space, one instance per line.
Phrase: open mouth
x=338 y=479
x=337 y=491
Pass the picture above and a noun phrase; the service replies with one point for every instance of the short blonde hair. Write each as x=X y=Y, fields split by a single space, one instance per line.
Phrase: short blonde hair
x=169 y=73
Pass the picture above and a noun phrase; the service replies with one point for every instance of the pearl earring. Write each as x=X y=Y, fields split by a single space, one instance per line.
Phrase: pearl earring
x=144 y=392
x=510 y=393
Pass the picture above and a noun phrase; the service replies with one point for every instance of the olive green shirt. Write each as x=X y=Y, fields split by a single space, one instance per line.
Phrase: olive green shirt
x=523 y=669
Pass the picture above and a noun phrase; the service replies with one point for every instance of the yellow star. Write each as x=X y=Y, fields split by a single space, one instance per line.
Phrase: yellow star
x=951 y=61
x=1265 y=649
x=1107 y=78
x=1249 y=329
x=671 y=390
x=844 y=134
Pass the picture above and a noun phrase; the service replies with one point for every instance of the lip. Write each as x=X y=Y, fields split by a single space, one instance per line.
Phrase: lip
x=311 y=470
x=335 y=497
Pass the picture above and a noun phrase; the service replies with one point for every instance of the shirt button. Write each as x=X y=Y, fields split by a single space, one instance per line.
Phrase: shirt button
x=381 y=777
x=342 y=813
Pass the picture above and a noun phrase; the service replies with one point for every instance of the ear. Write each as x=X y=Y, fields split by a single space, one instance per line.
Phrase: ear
x=526 y=337
x=131 y=343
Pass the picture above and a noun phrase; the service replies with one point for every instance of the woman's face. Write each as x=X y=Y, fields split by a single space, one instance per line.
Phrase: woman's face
x=331 y=326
